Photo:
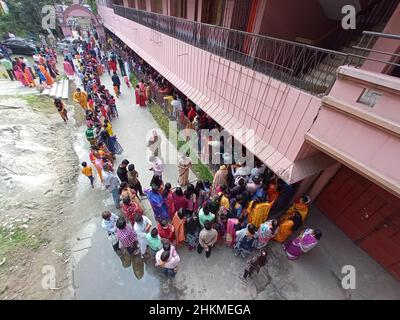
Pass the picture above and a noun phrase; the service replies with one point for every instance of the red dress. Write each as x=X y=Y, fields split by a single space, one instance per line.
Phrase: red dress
x=140 y=97
x=166 y=233
x=130 y=210
x=179 y=202
x=171 y=205
x=112 y=65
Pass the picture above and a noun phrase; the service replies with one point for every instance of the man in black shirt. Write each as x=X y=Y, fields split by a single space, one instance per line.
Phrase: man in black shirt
x=122 y=171
x=116 y=82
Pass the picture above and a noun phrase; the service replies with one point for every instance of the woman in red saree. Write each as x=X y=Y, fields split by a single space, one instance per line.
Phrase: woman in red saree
x=169 y=200
x=140 y=96
x=166 y=230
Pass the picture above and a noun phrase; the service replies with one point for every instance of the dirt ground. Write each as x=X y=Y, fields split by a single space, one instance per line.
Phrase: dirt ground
x=38 y=173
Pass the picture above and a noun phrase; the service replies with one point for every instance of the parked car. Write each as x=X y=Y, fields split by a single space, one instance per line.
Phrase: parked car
x=64 y=44
x=20 y=46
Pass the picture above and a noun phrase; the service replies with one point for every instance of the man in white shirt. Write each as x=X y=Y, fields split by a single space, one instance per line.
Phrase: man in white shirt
x=176 y=107
x=109 y=224
x=111 y=182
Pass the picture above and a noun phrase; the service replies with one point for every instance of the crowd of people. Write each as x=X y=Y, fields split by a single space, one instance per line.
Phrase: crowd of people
x=235 y=209
x=42 y=73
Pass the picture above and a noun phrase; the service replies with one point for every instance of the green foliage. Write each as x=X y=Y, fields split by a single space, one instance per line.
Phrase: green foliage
x=201 y=171
x=93 y=5
x=24 y=17
x=133 y=80
x=11 y=241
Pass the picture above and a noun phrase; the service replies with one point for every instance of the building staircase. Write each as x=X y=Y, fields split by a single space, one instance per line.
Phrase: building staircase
x=59 y=89
x=325 y=72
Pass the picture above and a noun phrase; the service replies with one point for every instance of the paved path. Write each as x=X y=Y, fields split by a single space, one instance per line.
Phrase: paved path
x=100 y=274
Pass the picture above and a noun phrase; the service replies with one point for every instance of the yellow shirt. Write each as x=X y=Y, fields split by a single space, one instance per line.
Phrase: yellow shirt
x=87 y=171
x=109 y=130
x=81 y=98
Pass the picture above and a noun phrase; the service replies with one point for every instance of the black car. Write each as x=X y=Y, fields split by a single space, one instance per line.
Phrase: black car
x=20 y=46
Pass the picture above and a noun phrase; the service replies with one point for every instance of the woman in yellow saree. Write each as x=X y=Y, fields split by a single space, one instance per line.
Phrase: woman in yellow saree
x=287 y=227
x=299 y=205
x=257 y=212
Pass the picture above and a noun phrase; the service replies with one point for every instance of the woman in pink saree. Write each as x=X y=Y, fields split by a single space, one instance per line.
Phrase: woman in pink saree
x=20 y=76
x=306 y=241
x=68 y=68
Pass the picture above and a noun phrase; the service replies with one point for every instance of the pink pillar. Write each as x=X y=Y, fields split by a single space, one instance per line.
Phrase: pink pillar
x=386 y=45
x=260 y=15
x=228 y=13
x=199 y=7
x=149 y=6
x=323 y=180
x=165 y=8
x=191 y=10
x=126 y=3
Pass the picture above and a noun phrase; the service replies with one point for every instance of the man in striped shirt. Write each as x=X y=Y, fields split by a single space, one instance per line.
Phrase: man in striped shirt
x=126 y=236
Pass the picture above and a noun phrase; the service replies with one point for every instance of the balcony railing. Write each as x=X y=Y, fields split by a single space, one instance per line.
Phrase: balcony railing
x=306 y=67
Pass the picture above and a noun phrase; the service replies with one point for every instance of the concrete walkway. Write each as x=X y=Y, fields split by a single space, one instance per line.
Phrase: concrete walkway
x=100 y=274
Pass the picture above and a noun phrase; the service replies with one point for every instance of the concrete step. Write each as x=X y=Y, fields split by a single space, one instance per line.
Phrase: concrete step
x=65 y=91
x=53 y=90
x=59 y=89
x=46 y=92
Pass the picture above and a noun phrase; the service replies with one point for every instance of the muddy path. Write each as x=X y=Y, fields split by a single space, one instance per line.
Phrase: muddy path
x=38 y=174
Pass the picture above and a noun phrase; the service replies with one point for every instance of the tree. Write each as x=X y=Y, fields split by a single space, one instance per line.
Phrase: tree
x=24 y=17
x=93 y=5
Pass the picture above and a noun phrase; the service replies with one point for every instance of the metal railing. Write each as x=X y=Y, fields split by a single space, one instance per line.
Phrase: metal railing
x=306 y=67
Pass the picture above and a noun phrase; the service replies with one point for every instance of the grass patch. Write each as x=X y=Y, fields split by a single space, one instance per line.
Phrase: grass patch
x=13 y=241
x=133 y=80
x=201 y=171
x=37 y=101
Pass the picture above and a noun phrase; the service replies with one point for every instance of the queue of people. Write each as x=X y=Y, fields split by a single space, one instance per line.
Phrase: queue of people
x=232 y=210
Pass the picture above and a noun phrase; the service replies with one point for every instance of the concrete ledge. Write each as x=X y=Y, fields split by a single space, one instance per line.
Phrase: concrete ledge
x=373 y=79
x=368 y=172
x=363 y=115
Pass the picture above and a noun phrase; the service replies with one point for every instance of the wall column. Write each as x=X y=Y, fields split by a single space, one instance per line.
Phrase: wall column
x=191 y=10
x=323 y=180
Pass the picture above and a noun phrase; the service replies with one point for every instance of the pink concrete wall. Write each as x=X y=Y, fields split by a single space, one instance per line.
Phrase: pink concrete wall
x=386 y=45
x=386 y=107
x=233 y=95
x=370 y=146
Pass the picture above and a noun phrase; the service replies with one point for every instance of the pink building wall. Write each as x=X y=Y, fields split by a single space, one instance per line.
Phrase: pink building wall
x=235 y=96
x=361 y=144
x=385 y=45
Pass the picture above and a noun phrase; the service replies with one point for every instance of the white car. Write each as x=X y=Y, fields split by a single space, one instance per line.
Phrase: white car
x=64 y=44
